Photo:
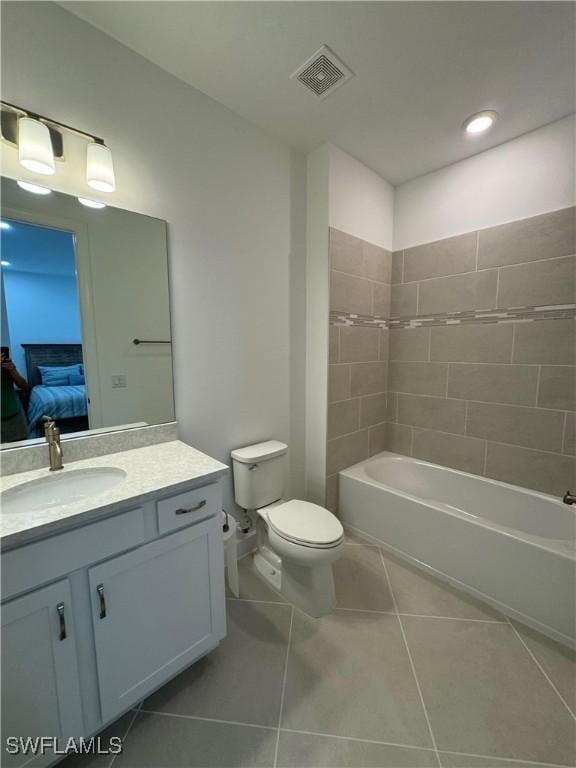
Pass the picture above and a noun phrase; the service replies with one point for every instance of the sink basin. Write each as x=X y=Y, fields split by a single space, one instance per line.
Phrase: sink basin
x=59 y=489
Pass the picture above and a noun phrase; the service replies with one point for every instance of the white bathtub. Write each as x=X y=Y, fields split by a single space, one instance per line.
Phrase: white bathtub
x=511 y=547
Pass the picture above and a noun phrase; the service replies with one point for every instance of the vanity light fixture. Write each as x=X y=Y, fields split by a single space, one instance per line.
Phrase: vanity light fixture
x=91 y=203
x=5 y=263
x=480 y=121
x=40 y=143
x=34 y=188
x=99 y=168
x=35 y=146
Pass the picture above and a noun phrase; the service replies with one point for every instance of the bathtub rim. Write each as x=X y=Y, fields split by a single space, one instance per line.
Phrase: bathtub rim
x=556 y=546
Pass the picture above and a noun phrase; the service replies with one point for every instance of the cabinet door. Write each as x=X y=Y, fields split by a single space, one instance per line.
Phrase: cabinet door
x=155 y=610
x=40 y=691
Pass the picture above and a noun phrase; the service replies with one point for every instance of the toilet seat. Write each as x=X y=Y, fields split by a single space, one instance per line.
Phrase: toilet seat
x=305 y=524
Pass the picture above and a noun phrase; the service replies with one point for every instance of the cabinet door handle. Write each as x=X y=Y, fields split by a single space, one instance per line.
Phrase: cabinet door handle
x=192 y=509
x=61 y=620
x=100 y=590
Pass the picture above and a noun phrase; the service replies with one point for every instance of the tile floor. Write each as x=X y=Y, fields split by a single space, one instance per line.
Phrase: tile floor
x=407 y=673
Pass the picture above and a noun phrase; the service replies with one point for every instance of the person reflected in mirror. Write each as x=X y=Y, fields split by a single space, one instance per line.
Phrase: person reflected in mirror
x=14 y=426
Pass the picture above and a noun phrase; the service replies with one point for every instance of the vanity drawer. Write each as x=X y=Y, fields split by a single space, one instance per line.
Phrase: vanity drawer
x=189 y=507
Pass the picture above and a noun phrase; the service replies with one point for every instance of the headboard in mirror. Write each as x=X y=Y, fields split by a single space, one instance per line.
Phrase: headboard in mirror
x=79 y=286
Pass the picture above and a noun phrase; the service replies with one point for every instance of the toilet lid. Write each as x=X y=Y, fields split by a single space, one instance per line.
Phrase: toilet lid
x=301 y=521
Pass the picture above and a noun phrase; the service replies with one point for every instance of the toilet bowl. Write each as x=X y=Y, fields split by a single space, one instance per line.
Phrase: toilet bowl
x=297 y=541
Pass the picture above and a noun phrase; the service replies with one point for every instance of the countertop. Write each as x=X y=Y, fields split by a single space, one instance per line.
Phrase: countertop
x=149 y=471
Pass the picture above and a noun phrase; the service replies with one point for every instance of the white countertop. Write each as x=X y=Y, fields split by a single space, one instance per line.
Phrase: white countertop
x=149 y=471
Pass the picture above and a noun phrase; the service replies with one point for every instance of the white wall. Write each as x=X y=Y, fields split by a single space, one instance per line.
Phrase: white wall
x=361 y=201
x=523 y=177
x=223 y=186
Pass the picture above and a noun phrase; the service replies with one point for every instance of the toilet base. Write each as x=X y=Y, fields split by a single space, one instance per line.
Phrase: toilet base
x=309 y=589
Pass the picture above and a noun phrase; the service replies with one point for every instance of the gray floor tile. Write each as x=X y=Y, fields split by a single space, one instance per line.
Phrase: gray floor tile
x=558 y=662
x=472 y=761
x=419 y=593
x=252 y=585
x=156 y=741
x=484 y=696
x=117 y=729
x=355 y=538
x=360 y=580
x=300 y=750
x=349 y=675
x=242 y=679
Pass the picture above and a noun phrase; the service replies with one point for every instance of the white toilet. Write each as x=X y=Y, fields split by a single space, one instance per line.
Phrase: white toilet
x=297 y=541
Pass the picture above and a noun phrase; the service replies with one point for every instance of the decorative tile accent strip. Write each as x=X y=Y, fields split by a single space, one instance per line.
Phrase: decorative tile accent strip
x=468 y=317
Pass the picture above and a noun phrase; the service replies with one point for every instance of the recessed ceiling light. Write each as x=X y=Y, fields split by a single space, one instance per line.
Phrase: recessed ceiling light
x=5 y=263
x=35 y=188
x=5 y=225
x=91 y=203
x=480 y=122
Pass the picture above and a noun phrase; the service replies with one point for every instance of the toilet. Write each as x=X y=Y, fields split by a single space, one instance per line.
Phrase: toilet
x=297 y=541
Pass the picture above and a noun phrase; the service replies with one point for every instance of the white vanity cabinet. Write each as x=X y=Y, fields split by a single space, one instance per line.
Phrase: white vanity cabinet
x=40 y=688
x=99 y=615
x=154 y=611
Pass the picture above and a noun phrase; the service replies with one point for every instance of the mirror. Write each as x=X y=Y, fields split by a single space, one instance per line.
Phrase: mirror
x=85 y=326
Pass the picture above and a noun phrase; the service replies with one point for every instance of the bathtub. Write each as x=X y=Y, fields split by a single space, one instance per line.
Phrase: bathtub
x=513 y=548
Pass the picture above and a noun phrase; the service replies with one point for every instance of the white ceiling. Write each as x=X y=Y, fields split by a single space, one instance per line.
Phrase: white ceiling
x=420 y=69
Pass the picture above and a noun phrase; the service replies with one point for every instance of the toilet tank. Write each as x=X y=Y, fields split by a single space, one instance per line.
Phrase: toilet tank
x=259 y=474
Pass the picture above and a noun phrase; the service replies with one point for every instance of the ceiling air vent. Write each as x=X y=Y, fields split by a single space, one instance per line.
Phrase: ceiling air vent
x=322 y=73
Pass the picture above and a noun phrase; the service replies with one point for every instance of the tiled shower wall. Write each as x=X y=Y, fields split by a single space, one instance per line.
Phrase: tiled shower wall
x=481 y=356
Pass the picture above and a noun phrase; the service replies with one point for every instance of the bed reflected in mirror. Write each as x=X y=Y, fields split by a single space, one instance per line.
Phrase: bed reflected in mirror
x=85 y=329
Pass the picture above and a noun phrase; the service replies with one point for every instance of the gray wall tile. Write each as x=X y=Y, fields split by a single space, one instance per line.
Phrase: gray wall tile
x=539 y=237
x=472 y=343
x=476 y=290
x=345 y=252
x=403 y=300
x=547 y=472
x=332 y=493
x=358 y=344
x=338 y=382
x=384 y=343
x=570 y=434
x=373 y=410
x=538 y=284
x=377 y=439
x=443 y=257
x=456 y=451
x=513 y=384
x=418 y=378
x=398 y=438
x=376 y=262
x=334 y=344
x=391 y=406
x=397 y=266
x=350 y=294
x=528 y=427
x=343 y=418
x=409 y=343
x=557 y=387
x=545 y=341
x=381 y=299
x=432 y=412
x=344 y=451
x=368 y=378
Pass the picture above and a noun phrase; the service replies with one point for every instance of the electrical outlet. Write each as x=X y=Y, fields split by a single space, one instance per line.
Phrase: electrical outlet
x=118 y=382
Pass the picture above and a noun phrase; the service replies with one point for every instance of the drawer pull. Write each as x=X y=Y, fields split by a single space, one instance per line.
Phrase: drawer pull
x=192 y=509
x=61 y=620
x=100 y=590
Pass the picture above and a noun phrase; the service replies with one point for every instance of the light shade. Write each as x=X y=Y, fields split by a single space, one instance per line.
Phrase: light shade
x=91 y=203
x=35 y=188
x=99 y=168
x=480 y=122
x=35 y=147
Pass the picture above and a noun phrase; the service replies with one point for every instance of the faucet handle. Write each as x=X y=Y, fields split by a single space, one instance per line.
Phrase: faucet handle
x=569 y=498
x=49 y=425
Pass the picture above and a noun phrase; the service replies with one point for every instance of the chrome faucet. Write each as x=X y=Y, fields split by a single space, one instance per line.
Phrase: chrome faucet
x=54 y=448
x=569 y=498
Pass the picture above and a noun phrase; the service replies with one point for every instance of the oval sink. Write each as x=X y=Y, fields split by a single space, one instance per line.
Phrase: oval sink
x=60 y=489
